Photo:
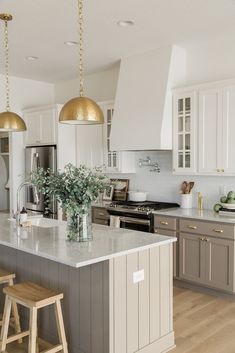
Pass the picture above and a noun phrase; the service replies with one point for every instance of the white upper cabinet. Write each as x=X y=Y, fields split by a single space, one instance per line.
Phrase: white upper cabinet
x=228 y=147
x=184 y=150
x=89 y=145
x=210 y=134
x=41 y=126
x=212 y=116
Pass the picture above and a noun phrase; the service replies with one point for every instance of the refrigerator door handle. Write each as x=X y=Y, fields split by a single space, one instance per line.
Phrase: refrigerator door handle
x=36 y=161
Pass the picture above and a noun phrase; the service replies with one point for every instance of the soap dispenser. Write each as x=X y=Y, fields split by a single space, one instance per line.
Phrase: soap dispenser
x=200 y=201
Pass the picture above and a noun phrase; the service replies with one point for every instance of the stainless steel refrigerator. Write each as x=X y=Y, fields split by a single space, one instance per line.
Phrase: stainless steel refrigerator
x=43 y=157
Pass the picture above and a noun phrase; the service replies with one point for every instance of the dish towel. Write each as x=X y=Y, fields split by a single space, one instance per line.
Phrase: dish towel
x=115 y=221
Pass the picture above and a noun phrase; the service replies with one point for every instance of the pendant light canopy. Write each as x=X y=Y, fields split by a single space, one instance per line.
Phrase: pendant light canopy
x=81 y=110
x=9 y=121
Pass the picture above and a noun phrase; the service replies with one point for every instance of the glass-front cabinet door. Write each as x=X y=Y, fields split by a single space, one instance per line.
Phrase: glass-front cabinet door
x=111 y=158
x=184 y=133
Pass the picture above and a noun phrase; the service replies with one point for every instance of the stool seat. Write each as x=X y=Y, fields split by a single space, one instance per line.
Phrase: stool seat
x=6 y=275
x=32 y=295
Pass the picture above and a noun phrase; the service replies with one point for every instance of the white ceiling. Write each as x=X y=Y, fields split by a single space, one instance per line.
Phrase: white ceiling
x=40 y=28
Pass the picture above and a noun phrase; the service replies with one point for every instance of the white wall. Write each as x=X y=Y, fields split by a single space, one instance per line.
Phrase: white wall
x=24 y=93
x=205 y=62
x=100 y=87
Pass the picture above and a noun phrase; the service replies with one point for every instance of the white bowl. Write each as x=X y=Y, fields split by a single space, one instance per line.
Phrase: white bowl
x=229 y=206
x=137 y=196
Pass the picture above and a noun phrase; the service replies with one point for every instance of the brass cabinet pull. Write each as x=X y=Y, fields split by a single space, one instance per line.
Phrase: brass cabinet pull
x=192 y=227
x=164 y=223
x=155 y=230
x=207 y=239
x=222 y=170
x=218 y=170
x=218 y=230
x=202 y=239
x=101 y=214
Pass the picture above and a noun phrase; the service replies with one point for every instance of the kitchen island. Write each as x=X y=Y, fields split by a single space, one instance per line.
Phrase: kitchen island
x=117 y=288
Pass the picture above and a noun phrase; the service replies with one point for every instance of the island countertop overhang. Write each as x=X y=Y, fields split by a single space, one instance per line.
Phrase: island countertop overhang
x=50 y=242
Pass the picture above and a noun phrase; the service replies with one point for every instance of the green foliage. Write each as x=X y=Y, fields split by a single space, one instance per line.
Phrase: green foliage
x=74 y=188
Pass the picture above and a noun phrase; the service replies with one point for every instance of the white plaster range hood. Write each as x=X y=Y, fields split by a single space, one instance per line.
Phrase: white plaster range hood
x=143 y=105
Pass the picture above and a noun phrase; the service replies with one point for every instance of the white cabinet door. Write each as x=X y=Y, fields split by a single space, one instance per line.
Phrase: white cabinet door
x=33 y=132
x=228 y=146
x=41 y=126
x=89 y=145
x=210 y=131
x=184 y=151
x=48 y=126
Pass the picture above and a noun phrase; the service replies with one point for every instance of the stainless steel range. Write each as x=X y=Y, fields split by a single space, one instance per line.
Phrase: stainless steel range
x=137 y=215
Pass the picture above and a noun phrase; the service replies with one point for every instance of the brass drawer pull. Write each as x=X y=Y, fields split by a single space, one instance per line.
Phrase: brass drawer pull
x=218 y=230
x=101 y=214
x=192 y=227
x=164 y=223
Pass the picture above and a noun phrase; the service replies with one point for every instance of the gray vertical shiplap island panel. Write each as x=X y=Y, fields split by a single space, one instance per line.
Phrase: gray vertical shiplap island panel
x=132 y=305
x=154 y=295
x=144 y=297
x=104 y=310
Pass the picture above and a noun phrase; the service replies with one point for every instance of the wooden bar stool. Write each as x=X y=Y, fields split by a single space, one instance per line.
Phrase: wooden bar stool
x=33 y=297
x=7 y=278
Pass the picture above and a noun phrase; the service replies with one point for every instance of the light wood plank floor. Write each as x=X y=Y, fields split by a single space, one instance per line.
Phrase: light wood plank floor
x=203 y=323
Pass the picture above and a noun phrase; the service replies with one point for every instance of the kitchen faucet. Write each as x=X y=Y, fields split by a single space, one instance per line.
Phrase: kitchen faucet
x=36 y=197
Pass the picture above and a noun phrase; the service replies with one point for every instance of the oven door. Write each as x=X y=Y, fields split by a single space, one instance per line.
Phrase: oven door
x=143 y=225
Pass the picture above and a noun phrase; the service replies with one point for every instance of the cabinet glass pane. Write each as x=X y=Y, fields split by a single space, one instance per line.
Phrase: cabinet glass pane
x=115 y=160
x=108 y=130
x=109 y=160
x=180 y=105
x=180 y=160
x=187 y=160
x=109 y=116
x=187 y=141
x=187 y=123
x=181 y=124
x=187 y=104
x=180 y=142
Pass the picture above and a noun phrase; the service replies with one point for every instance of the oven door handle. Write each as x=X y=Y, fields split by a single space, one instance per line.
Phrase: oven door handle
x=135 y=221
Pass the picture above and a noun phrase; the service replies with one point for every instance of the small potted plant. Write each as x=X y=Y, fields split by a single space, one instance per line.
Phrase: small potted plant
x=74 y=188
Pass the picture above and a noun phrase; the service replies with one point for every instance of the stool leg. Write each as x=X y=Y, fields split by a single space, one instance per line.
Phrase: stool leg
x=32 y=348
x=15 y=314
x=5 y=323
x=60 y=326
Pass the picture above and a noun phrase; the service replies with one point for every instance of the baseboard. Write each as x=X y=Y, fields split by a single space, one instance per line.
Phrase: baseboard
x=162 y=345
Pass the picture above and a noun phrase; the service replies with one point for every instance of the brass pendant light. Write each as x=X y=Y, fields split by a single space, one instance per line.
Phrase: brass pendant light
x=9 y=121
x=81 y=110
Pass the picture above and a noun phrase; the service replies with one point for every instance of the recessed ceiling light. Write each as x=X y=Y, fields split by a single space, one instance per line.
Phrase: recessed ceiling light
x=125 y=23
x=32 y=58
x=71 y=43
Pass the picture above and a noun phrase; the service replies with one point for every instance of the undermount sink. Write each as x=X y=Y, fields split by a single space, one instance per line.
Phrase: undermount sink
x=40 y=222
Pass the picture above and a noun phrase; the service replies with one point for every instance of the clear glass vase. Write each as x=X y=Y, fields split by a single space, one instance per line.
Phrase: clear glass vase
x=79 y=225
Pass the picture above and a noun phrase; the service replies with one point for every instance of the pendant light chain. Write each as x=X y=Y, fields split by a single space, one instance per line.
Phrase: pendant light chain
x=6 y=43
x=81 y=30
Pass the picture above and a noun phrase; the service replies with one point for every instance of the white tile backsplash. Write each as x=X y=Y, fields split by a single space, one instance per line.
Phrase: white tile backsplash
x=165 y=186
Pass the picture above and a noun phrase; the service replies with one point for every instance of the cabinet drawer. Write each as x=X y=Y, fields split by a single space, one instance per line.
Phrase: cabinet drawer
x=99 y=212
x=164 y=222
x=168 y=233
x=104 y=222
x=207 y=228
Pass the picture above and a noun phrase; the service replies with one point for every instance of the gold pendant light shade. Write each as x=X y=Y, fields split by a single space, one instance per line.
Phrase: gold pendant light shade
x=81 y=110
x=11 y=122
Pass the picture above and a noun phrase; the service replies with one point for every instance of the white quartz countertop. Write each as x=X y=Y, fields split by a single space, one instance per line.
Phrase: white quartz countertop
x=204 y=215
x=47 y=239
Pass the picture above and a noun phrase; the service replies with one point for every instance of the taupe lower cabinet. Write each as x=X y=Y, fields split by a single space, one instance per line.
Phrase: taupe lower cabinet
x=205 y=253
x=100 y=215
